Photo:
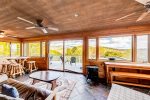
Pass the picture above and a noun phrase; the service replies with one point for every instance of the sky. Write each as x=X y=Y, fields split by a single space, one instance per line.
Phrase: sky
x=123 y=42
x=112 y=42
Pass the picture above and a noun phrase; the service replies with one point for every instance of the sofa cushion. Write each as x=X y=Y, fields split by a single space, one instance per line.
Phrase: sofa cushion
x=10 y=91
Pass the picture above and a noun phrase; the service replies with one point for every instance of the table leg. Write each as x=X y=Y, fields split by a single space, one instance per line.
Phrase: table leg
x=54 y=85
x=35 y=81
x=107 y=73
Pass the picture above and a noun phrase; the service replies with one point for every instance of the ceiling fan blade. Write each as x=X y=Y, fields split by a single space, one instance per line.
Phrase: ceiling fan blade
x=54 y=29
x=44 y=30
x=25 y=20
x=142 y=1
x=30 y=27
x=125 y=16
x=143 y=15
x=11 y=36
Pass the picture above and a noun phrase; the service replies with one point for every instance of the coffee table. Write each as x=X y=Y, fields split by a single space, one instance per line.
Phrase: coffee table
x=45 y=76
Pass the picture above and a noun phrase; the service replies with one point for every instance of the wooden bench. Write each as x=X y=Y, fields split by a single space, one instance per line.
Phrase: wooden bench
x=129 y=75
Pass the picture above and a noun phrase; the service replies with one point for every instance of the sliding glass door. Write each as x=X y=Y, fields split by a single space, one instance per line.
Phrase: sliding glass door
x=73 y=55
x=56 y=55
x=66 y=55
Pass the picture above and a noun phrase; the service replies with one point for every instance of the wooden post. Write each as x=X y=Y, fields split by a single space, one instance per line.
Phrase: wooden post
x=47 y=54
x=134 y=48
x=97 y=48
x=148 y=48
x=85 y=53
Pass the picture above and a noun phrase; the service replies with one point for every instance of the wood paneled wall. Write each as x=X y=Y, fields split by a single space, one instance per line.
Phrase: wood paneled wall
x=40 y=62
x=132 y=30
x=9 y=39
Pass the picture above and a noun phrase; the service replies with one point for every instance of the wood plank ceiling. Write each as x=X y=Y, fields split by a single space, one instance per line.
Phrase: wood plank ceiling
x=67 y=15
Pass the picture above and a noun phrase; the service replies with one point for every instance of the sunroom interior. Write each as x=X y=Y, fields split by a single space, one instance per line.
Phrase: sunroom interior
x=75 y=50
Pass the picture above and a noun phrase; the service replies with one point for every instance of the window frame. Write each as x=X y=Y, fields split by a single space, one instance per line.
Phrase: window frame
x=27 y=50
x=113 y=37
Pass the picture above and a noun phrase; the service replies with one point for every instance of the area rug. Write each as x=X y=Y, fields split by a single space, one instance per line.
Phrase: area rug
x=62 y=92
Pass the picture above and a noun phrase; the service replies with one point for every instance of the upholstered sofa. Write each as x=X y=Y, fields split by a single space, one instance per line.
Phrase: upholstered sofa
x=37 y=92
x=26 y=91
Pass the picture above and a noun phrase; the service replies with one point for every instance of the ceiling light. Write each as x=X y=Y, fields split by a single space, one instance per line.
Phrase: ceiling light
x=76 y=15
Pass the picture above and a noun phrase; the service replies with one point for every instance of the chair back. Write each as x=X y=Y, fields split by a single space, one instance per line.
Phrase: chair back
x=73 y=59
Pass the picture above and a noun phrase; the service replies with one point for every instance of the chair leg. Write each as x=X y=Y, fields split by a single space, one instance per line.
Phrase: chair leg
x=2 y=70
x=31 y=67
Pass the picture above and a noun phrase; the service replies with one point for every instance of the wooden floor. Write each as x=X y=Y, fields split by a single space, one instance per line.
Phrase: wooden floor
x=84 y=90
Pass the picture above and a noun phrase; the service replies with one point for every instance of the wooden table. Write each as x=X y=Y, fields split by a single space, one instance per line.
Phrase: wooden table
x=16 y=58
x=46 y=76
x=20 y=60
x=139 y=66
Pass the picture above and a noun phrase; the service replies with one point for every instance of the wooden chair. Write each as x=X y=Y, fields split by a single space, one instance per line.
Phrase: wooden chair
x=5 y=66
x=22 y=62
x=31 y=66
x=15 y=69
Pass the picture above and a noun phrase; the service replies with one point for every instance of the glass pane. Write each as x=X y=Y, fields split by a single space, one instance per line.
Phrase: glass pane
x=142 y=48
x=92 y=48
x=15 y=49
x=56 y=55
x=116 y=47
x=4 y=49
x=73 y=55
x=34 y=49
x=43 y=49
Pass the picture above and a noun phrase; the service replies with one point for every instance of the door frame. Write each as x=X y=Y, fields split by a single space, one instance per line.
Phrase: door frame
x=64 y=55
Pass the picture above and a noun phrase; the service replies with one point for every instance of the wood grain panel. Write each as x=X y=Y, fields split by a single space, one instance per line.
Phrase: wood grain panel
x=91 y=15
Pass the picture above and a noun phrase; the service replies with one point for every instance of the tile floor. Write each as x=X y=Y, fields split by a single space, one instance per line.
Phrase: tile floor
x=84 y=90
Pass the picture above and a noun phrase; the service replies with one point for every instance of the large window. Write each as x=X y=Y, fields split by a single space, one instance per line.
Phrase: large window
x=32 y=49
x=4 y=49
x=116 y=47
x=92 y=48
x=15 y=49
x=142 y=48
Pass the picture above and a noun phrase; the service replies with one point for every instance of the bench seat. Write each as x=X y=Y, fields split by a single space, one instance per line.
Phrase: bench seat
x=129 y=75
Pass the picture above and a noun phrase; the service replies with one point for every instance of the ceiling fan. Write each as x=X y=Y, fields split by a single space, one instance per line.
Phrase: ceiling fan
x=38 y=25
x=146 y=4
x=3 y=34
